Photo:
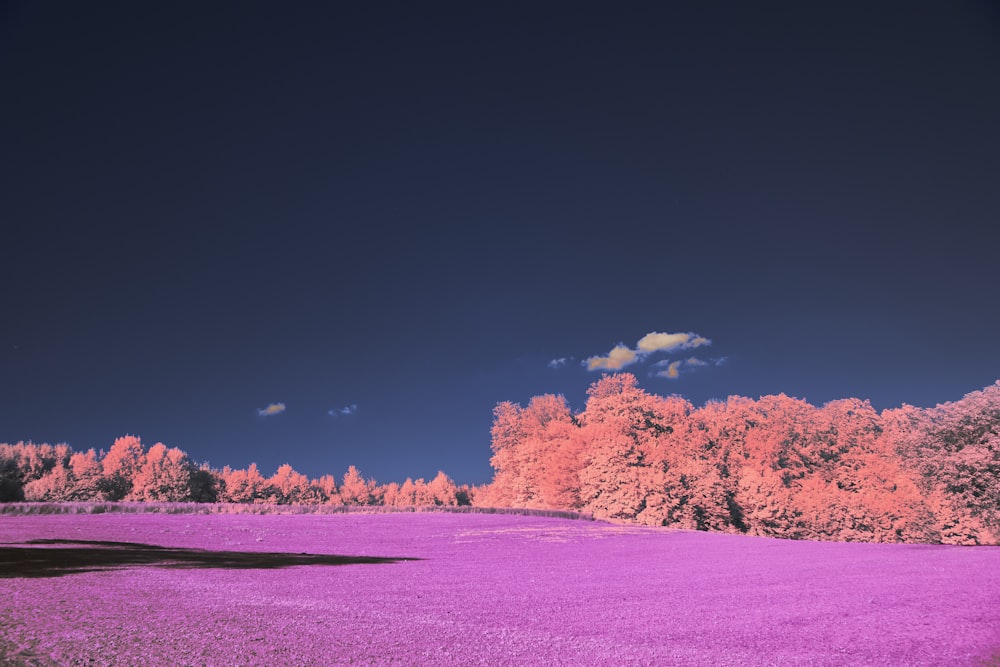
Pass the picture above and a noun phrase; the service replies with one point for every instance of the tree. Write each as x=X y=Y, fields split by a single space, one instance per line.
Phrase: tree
x=356 y=490
x=537 y=455
x=205 y=484
x=956 y=459
x=391 y=496
x=290 y=487
x=244 y=486
x=326 y=489
x=164 y=476
x=54 y=486
x=87 y=473
x=509 y=488
x=26 y=462
x=442 y=490
x=620 y=426
x=553 y=454
x=121 y=464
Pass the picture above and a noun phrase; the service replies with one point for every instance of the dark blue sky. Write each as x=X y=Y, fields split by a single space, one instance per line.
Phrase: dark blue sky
x=413 y=208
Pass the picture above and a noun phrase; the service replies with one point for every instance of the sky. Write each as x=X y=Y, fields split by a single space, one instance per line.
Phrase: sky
x=333 y=234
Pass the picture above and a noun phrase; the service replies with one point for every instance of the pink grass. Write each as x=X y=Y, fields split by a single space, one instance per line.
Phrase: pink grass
x=498 y=590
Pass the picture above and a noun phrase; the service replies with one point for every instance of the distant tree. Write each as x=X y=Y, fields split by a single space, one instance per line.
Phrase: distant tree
x=422 y=495
x=11 y=473
x=121 y=464
x=87 y=473
x=765 y=501
x=205 y=485
x=406 y=494
x=616 y=480
x=53 y=486
x=868 y=494
x=553 y=450
x=356 y=490
x=955 y=455
x=164 y=476
x=26 y=462
x=509 y=487
x=390 y=495
x=704 y=456
x=484 y=495
x=326 y=489
x=537 y=455
x=442 y=490
x=464 y=496
x=290 y=487
x=245 y=486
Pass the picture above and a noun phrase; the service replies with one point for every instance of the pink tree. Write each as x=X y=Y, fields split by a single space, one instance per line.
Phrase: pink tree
x=391 y=496
x=356 y=490
x=622 y=428
x=54 y=486
x=244 y=486
x=442 y=490
x=290 y=487
x=508 y=488
x=165 y=476
x=540 y=447
x=121 y=464
x=956 y=459
x=87 y=473
x=325 y=489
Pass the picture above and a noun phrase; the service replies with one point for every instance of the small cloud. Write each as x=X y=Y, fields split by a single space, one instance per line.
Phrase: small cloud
x=654 y=341
x=657 y=342
x=556 y=363
x=271 y=409
x=344 y=411
x=672 y=369
x=672 y=372
x=619 y=357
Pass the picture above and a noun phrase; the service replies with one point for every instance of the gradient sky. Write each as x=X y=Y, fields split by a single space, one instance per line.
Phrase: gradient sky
x=339 y=233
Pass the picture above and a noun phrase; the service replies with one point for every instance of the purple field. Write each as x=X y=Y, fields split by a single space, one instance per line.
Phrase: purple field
x=477 y=589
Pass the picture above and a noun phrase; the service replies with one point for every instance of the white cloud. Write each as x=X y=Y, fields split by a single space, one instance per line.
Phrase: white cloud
x=672 y=371
x=656 y=341
x=653 y=342
x=556 y=363
x=661 y=342
x=271 y=409
x=344 y=411
x=619 y=357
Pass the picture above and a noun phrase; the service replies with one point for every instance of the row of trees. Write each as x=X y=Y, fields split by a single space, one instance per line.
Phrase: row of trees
x=42 y=472
x=776 y=466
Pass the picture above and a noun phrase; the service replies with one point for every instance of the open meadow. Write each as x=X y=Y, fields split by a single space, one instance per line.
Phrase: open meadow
x=476 y=589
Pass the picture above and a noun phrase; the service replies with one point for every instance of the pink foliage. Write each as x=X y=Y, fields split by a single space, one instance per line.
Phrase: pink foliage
x=777 y=466
x=165 y=476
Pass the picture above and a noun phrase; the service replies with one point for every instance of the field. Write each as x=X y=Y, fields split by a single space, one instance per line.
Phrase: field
x=476 y=589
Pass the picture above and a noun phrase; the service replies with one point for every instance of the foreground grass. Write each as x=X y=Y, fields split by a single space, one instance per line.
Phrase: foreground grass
x=478 y=589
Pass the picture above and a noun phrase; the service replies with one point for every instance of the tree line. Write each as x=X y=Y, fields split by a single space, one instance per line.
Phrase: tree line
x=776 y=466
x=130 y=472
